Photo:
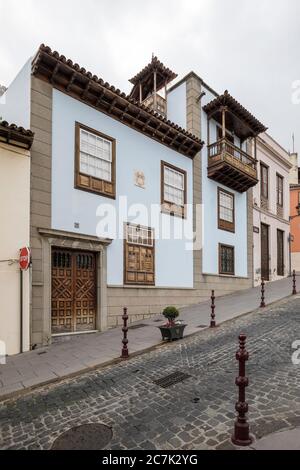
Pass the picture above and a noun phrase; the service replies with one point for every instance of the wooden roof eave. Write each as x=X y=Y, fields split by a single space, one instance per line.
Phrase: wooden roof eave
x=117 y=104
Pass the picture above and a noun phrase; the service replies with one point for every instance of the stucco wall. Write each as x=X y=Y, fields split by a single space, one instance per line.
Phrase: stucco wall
x=276 y=158
x=177 y=105
x=212 y=236
x=14 y=234
x=173 y=262
x=15 y=103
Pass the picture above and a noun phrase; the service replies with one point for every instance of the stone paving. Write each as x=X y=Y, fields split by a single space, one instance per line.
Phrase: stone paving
x=197 y=413
x=75 y=354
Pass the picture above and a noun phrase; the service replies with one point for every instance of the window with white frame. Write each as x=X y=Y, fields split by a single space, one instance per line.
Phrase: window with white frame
x=95 y=161
x=225 y=210
x=173 y=189
x=95 y=155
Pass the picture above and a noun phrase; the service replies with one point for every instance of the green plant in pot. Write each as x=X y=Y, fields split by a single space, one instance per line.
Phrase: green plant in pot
x=172 y=329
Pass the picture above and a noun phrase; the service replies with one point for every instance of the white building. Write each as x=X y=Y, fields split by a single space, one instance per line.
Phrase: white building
x=271 y=209
x=15 y=144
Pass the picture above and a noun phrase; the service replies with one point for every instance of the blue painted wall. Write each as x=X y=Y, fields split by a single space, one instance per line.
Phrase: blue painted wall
x=135 y=151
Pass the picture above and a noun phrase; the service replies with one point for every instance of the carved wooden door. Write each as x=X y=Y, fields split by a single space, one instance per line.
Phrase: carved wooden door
x=73 y=291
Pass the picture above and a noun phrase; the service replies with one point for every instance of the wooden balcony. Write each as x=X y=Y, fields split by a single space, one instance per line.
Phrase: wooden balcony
x=157 y=103
x=231 y=166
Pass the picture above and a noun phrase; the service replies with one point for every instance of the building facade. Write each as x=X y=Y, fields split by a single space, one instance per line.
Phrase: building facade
x=15 y=144
x=271 y=227
x=224 y=178
x=96 y=150
x=295 y=213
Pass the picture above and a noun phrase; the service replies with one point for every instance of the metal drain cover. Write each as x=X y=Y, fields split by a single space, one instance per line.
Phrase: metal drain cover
x=171 y=379
x=135 y=327
x=84 y=437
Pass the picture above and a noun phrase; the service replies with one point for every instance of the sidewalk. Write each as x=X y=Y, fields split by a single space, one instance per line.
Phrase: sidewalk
x=79 y=353
x=283 y=440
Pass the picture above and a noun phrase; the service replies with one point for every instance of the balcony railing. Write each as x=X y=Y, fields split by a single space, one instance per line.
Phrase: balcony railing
x=231 y=166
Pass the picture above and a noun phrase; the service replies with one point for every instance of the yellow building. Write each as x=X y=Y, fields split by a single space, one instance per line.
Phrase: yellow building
x=15 y=144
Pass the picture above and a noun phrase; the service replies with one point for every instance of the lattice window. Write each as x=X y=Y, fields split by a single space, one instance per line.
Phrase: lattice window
x=225 y=210
x=95 y=161
x=95 y=155
x=139 y=255
x=226 y=259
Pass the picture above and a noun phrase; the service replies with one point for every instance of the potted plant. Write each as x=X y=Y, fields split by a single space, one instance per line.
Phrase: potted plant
x=172 y=329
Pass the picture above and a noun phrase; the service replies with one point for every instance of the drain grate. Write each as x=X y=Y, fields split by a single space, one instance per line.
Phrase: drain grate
x=135 y=327
x=201 y=326
x=157 y=320
x=171 y=379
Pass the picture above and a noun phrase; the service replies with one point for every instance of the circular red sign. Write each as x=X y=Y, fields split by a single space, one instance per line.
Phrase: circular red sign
x=24 y=260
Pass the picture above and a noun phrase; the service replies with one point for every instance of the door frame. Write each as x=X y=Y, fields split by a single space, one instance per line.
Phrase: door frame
x=68 y=240
x=282 y=251
x=266 y=278
x=73 y=253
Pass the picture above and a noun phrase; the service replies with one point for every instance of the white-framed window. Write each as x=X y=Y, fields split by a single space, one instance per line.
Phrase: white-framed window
x=226 y=206
x=225 y=210
x=95 y=156
x=139 y=235
x=174 y=185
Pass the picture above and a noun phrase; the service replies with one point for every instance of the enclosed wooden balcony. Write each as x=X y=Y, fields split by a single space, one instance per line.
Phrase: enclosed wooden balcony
x=227 y=163
x=157 y=103
x=231 y=166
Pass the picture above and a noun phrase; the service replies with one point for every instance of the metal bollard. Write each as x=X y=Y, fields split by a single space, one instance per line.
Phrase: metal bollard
x=125 y=353
x=294 y=283
x=212 y=315
x=262 y=303
x=241 y=436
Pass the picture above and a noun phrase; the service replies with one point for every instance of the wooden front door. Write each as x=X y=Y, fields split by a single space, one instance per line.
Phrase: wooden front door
x=280 y=263
x=265 y=252
x=74 y=291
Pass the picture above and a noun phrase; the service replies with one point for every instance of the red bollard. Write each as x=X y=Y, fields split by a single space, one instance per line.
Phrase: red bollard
x=262 y=303
x=212 y=315
x=294 y=283
x=125 y=353
x=241 y=436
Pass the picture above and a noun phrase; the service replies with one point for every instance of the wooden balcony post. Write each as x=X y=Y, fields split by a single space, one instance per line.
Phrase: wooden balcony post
x=141 y=93
x=223 y=122
x=154 y=97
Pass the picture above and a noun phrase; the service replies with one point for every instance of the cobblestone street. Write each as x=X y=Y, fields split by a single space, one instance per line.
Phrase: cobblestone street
x=197 y=413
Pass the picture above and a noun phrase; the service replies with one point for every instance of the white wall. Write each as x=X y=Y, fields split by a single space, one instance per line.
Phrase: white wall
x=135 y=151
x=277 y=159
x=14 y=234
x=177 y=105
x=15 y=103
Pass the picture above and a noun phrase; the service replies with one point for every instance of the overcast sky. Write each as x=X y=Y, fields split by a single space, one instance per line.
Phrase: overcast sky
x=250 y=47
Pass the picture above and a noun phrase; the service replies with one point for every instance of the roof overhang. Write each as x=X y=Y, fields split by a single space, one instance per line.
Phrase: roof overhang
x=238 y=119
x=146 y=78
x=75 y=81
x=14 y=135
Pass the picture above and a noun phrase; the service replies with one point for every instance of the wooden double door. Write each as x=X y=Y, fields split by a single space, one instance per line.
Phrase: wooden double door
x=265 y=252
x=74 y=291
